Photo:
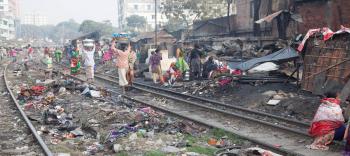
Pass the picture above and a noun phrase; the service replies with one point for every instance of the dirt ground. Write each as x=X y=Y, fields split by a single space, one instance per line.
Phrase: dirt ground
x=295 y=103
x=71 y=122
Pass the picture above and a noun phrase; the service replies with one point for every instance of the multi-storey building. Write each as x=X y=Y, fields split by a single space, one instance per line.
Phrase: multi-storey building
x=144 y=8
x=35 y=19
x=9 y=13
x=13 y=6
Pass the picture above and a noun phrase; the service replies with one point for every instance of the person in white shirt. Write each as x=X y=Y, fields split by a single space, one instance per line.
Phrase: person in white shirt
x=88 y=56
x=2 y=52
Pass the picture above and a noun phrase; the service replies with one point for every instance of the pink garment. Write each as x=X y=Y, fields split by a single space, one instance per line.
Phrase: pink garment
x=107 y=55
x=13 y=52
x=122 y=58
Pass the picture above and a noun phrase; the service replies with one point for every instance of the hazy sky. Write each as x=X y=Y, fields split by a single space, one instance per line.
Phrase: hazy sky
x=79 y=10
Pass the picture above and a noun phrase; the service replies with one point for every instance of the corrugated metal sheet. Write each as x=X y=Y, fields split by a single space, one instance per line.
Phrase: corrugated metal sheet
x=326 y=63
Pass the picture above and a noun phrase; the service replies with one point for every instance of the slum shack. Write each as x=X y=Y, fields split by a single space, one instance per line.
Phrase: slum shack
x=326 y=58
x=145 y=42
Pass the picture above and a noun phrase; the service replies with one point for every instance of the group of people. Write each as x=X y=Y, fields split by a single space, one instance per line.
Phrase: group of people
x=120 y=50
x=187 y=66
x=10 y=52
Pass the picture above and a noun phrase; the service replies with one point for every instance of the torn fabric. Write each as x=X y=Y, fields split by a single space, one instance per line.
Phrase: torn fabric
x=269 y=18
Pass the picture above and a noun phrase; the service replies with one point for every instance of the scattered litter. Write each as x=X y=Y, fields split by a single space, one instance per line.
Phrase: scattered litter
x=117 y=148
x=95 y=94
x=77 y=132
x=265 y=67
x=170 y=149
x=273 y=102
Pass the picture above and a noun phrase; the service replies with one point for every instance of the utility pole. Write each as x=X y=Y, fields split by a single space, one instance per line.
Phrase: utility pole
x=156 y=26
x=228 y=15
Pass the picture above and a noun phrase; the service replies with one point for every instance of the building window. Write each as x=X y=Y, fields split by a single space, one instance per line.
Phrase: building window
x=136 y=7
x=153 y=16
x=149 y=7
x=251 y=9
x=1 y=7
x=1 y=1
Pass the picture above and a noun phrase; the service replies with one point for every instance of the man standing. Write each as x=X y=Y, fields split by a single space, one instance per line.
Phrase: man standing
x=195 y=62
x=2 y=52
x=88 y=55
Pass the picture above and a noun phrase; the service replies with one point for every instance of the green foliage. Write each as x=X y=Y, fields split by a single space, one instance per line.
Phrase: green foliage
x=186 y=11
x=63 y=30
x=219 y=133
x=155 y=153
x=202 y=150
x=89 y=26
x=68 y=29
x=122 y=154
x=174 y=25
x=136 y=21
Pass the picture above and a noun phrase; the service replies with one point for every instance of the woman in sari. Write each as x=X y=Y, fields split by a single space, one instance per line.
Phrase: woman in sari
x=75 y=62
x=181 y=64
x=328 y=123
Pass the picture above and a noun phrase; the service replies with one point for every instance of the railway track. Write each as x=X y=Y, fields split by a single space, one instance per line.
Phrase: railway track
x=281 y=135
x=18 y=113
x=281 y=123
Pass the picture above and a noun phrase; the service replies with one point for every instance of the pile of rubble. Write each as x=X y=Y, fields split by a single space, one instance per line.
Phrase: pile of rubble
x=73 y=118
x=78 y=118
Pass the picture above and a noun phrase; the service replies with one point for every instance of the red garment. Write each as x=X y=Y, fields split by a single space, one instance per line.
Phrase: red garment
x=327 y=34
x=323 y=127
x=38 y=90
x=46 y=51
x=332 y=100
x=225 y=81
x=30 y=50
x=236 y=72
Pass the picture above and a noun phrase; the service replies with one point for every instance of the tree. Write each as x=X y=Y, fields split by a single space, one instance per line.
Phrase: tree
x=36 y=32
x=64 y=30
x=186 y=11
x=89 y=26
x=136 y=22
x=174 y=25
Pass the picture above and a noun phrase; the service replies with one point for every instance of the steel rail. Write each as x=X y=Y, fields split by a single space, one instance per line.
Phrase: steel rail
x=272 y=147
x=220 y=103
x=26 y=119
x=217 y=110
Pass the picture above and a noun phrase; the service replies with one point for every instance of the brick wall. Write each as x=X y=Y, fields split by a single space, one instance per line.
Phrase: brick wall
x=317 y=14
